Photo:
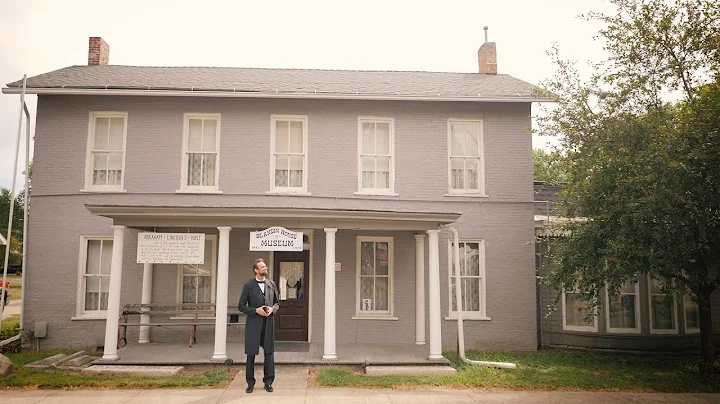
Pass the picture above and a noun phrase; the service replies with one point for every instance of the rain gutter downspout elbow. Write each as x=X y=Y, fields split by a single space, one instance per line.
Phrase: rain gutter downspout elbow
x=458 y=299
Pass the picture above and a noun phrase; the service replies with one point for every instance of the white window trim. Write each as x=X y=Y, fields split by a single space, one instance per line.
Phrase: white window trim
x=89 y=187
x=80 y=312
x=376 y=191
x=184 y=188
x=468 y=315
x=480 y=192
x=638 y=321
x=589 y=328
x=289 y=190
x=379 y=315
x=650 y=310
x=204 y=314
x=689 y=330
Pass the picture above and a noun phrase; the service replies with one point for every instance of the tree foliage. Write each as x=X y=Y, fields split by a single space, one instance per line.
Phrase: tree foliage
x=547 y=167
x=642 y=151
x=17 y=231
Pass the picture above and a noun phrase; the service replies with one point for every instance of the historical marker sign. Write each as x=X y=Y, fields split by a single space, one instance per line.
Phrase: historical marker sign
x=276 y=239
x=171 y=248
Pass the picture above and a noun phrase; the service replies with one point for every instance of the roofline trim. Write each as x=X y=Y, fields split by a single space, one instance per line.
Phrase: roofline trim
x=231 y=94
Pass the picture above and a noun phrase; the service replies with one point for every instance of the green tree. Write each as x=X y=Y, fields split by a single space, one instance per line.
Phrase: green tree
x=547 y=167
x=644 y=171
x=17 y=231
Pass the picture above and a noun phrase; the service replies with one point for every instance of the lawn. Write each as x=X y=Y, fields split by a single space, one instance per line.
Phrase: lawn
x=15 y=286
x=55 y=379
x=551 y=370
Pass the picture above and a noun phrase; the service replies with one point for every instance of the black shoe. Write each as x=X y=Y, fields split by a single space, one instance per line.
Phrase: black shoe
x=268 y=388
x=249 y=389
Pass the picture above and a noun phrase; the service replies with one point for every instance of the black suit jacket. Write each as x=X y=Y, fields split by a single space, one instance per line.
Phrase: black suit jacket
x=250 y=299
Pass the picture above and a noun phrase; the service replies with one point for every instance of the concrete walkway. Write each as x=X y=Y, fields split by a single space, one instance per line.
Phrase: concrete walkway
x=291 y=387
x=12 y=309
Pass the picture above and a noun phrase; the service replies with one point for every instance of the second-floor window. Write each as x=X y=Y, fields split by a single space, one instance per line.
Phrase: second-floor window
x=289 y=153
x=466 y=166
x=376 y=165
x=201 y=145
x=105 y=166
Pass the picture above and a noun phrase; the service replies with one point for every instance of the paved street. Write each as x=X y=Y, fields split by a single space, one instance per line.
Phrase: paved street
x=291 y=387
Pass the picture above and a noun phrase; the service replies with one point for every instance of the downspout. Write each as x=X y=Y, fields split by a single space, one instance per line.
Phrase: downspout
x=458 y=304
x=26 y=202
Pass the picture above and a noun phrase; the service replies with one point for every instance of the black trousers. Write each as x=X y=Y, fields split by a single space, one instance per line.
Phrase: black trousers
x=268 y=369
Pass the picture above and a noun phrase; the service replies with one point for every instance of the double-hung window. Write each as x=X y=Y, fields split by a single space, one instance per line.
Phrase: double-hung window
x=692 y=315
x=466 y=165
x=196 y=282
x=577 y=313
x=105 y=165
x=472 y=279
x=374 y=277
x=663 y=315
x=376 y=165
x=623 y=309
x=94 y=281
x=201 y=153
x=289 y=154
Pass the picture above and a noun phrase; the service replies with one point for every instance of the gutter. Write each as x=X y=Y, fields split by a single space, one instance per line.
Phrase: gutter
x=458 y=303
x=233 y=94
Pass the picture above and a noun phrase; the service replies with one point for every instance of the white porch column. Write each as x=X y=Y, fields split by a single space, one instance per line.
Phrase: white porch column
x=419 y=289
x=329 y=352
x=146 y=299
x=434 y=298
x=221 y=301
x=113 y=310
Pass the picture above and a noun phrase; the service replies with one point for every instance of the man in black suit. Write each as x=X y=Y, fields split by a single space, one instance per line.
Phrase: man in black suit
x=260 y=301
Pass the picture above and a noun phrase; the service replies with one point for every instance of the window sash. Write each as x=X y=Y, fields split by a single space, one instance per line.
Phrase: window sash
x=692 y=312
x=465 y=156
x=201 y=151
x=466 y=280
x=623 y=310
x=196 y=283
x=96 y=276
x=663 y=314
x=106 y=150
x=374 y=290
x=289 y=157
x=375 y=155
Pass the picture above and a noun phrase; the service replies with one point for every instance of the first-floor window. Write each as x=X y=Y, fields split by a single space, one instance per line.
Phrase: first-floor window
x=472 y=278
x=692 y=315
x=95 y=262
x=663 y=319
x=623 y=310
x=197 y=282
x=577 y=313
x=374 y=276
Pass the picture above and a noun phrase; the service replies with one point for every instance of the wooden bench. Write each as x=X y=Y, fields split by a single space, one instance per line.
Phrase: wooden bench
x=167 y=309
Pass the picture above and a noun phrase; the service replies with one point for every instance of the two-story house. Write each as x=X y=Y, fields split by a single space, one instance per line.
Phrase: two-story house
x=367 y=165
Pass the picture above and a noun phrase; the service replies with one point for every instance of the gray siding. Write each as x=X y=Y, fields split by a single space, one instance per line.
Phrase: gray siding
x=153 y=160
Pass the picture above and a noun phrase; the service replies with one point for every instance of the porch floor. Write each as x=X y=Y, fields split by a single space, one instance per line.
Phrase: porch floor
x=285 y=353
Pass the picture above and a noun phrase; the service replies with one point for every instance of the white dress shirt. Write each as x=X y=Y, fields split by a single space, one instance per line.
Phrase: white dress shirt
x=261 y=284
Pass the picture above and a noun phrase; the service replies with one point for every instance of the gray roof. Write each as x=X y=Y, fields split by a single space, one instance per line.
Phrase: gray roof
x=278 y=82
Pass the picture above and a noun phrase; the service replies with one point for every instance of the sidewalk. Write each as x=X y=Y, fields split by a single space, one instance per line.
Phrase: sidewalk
x=12 y=309
x=291 y=388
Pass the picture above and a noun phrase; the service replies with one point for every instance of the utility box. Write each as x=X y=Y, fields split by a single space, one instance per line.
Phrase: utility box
x=40 y=329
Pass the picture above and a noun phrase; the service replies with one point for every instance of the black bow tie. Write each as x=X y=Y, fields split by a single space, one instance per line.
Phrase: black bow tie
x=260 y=281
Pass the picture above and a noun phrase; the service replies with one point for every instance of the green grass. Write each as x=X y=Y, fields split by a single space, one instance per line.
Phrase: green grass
x=553 y=370
x=33 y=378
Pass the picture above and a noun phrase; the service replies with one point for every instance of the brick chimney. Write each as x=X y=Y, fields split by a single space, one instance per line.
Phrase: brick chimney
x=487 y=57
x=98 y=51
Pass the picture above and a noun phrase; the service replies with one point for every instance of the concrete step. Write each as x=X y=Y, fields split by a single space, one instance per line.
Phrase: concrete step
x=69 y=358
x=133 y=370
x=47 y=362
x=410 y=371
x=77 y=364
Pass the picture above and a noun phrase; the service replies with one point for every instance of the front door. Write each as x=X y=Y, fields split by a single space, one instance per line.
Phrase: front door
x=291 y=274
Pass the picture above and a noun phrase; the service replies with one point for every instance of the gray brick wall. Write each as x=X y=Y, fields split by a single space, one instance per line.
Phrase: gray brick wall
x=153 y=175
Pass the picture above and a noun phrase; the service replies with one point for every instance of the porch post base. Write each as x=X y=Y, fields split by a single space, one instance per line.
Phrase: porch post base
x=329 y=357
x=420 y=343
x=436 y=357
x=143 y=341
x=110 y=357
x=219 y=357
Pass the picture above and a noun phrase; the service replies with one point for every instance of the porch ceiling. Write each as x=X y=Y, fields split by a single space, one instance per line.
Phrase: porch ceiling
x=256 y=217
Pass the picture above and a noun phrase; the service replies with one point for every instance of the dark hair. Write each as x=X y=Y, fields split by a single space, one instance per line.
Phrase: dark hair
x=256 y=263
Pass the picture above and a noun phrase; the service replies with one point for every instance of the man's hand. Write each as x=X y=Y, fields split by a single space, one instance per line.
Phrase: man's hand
x=269 y=310
x=261 y=311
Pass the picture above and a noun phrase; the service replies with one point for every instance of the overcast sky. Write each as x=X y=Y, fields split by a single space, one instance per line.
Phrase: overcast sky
x=41 y=36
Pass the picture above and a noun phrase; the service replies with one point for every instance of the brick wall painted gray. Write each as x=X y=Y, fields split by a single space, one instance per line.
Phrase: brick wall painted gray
x=153 y=174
